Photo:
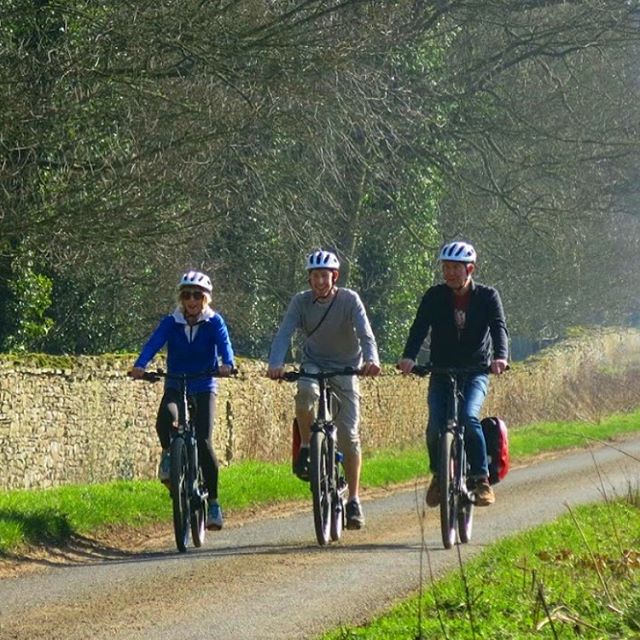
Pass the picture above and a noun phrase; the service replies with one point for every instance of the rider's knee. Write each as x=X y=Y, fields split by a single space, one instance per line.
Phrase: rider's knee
x=352 y=448
x=349 y=441
x=306 y=398
x=471 y=422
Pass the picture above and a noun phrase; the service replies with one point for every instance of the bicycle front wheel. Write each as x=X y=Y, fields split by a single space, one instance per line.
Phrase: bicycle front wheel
x=198 y=512
x=320 y=489
x=180 y=492
x=465 y=507
x=338 y=490
x=448 y=495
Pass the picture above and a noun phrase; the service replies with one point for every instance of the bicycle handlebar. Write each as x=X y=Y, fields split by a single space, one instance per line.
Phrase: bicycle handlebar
x=425 y=369
x=155 y=376
x=292 y=376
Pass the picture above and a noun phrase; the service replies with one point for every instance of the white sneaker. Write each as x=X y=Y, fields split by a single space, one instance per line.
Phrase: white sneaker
x=214 y=516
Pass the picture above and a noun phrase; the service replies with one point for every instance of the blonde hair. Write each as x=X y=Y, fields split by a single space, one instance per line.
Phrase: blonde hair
x=206 y=300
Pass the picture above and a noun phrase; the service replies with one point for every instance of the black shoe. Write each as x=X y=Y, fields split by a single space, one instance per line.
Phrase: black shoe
x=433 y=492
x=355 y=517
x=301 y=468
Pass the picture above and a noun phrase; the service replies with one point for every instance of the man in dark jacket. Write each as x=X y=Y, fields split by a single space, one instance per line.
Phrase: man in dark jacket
x=468 y=329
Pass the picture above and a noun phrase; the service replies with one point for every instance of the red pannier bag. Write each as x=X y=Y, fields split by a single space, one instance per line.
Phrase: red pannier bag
x=495 y=435
x=295 y=444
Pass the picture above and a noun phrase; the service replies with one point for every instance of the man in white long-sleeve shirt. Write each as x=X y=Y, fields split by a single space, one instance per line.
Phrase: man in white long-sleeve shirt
x=337 y=334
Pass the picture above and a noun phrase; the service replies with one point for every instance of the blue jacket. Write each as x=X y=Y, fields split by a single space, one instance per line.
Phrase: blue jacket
x=483 y=339
x=194 y=349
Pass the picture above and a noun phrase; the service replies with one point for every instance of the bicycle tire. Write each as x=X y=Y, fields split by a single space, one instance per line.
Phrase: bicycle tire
x=337 y=489
x=198 y=512
x=180 y=492
x=465 y=507
x=320 y=489
x=448 y=497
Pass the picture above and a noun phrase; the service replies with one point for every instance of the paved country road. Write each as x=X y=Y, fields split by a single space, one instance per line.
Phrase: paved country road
x=267 y=579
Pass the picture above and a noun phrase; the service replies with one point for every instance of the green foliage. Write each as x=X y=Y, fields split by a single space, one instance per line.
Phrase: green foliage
x=401 y=263
x=143 y=140
x=30 y=300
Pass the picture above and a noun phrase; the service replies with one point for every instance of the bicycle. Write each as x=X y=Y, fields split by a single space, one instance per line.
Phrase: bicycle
x=186 y=482
x=326 y=472
x=456 y=498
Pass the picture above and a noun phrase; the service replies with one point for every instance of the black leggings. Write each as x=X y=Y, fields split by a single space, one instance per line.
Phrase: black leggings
x=205 y=405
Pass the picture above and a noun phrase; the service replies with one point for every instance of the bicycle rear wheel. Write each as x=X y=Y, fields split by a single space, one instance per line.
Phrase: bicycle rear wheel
x=448 y=497
x=319 y=480
x=180 y=492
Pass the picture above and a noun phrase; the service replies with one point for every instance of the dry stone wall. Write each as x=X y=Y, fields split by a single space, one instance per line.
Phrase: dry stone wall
x=81 y=420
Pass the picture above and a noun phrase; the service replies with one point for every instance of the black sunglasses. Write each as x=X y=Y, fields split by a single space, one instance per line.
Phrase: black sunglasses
x=196 y=295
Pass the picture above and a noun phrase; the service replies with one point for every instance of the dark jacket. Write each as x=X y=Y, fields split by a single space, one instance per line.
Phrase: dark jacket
x=483 y=339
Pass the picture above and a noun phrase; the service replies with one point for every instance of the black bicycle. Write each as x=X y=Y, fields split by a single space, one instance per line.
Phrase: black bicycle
x=188 y=493
x=326 y=473
x=456 y=496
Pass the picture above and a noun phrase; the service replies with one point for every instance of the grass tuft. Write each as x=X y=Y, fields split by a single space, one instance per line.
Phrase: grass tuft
x=542 y=583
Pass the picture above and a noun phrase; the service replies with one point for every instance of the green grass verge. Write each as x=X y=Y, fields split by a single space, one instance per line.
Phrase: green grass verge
x=54 y=515
x=577 y=577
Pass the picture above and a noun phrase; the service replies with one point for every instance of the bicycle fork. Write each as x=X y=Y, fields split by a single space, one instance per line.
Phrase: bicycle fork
x=334 y=458
x=337 y=484
x=460 y=467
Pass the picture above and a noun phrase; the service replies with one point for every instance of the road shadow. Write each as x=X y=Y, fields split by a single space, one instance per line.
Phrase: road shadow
x=82 y=551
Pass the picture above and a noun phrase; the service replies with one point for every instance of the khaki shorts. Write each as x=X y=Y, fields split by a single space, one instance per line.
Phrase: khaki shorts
x=346 y=411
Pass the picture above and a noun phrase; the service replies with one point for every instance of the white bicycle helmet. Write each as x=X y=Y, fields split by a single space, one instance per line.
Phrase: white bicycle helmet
x=196 y=279
x=458 y=252
x=323 y=260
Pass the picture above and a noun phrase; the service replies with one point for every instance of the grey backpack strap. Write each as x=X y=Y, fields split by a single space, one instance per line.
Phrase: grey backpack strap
x=323 y=317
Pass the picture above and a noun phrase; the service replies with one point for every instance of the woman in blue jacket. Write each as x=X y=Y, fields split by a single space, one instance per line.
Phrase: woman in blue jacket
x=197 y=340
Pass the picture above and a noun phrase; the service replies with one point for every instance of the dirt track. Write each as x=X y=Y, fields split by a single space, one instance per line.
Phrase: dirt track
x=267 y=578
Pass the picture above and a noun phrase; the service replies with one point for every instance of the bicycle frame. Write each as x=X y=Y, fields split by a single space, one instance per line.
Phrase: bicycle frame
x=328 y=485
x=456 y=500
x=188 y=494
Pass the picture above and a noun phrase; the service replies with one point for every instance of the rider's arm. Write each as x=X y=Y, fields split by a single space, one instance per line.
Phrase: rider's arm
x=419 y=328
x=499 y=334
x=291 y=321
x=155 y=342
x=223 y=344
x=367 y=339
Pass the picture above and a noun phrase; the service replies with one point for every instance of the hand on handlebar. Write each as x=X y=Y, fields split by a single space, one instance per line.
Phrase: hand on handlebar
x=370 y=368
x=499 y=366
x=406 y=365
x=136 y=373
x=275 y=373
x=225 y=370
